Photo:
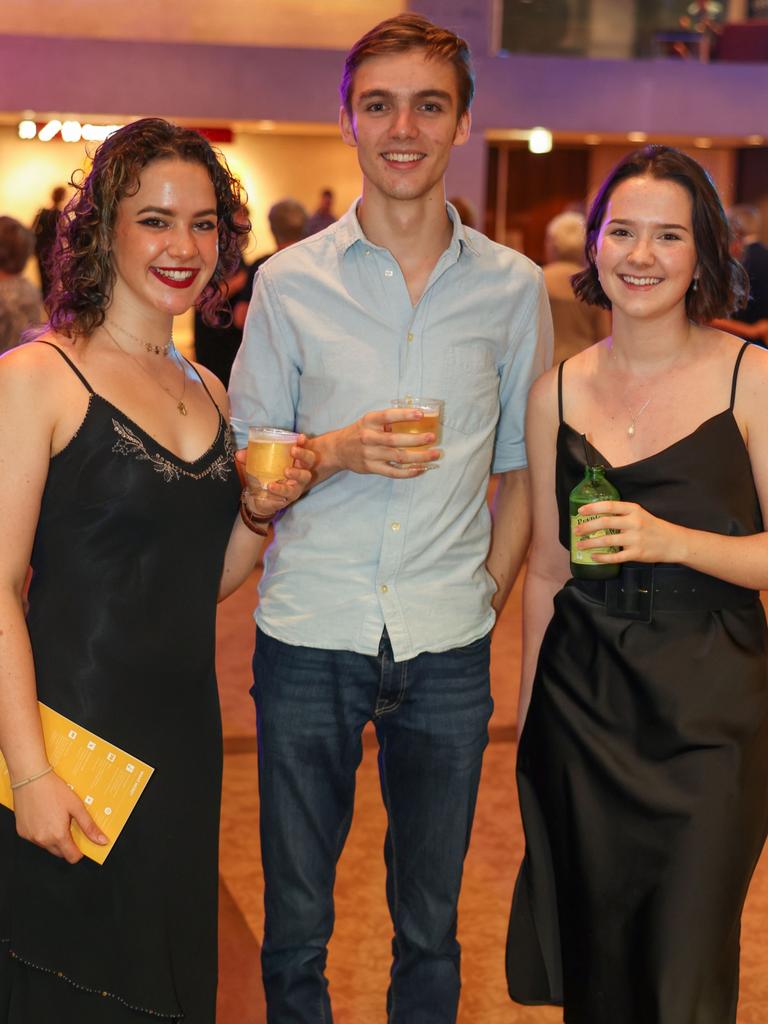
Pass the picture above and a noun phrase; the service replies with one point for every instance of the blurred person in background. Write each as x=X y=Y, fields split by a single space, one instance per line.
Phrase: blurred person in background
x=20 y=301
x=45 y=235
x=323 y=216
x=217 y=343
x=288 y=223
x=751 y=321
x=576 y=324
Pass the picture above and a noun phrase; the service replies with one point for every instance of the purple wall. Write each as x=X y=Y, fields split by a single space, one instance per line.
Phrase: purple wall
x=210 y=82
x=206 y=83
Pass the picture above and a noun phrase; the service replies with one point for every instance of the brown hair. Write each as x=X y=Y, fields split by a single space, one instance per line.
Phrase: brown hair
x=411 y=32
x=722 y=281
x=16 y=245
x=83 y=272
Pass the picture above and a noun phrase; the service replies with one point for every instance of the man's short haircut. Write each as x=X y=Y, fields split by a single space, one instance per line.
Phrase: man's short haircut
x=722 y=284
x=411 y=32
x=566 y=233
x=288 y=221
x=744 y=220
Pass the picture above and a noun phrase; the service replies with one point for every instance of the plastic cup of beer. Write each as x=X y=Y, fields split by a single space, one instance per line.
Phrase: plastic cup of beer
x=431 y=422
x=269 y=455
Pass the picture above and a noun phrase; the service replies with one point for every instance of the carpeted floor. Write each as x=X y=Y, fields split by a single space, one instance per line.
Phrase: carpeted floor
x=359 y=953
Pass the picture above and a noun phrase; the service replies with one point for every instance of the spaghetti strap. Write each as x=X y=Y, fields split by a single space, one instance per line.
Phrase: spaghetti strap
x=560 y=390
x=72 y=366
x=742 y=350
x=205 y=386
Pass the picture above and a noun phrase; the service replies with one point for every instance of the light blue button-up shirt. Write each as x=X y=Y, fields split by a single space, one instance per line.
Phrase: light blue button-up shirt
x=331 y=334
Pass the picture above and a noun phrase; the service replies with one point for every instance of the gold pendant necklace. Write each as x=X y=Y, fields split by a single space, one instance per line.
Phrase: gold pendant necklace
x=631 y=429
x=180 y=406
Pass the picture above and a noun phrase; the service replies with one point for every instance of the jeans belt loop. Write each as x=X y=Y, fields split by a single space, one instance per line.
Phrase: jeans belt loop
x=630 y=595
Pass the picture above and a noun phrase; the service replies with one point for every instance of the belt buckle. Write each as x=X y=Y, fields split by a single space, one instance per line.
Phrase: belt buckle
x=630 y=594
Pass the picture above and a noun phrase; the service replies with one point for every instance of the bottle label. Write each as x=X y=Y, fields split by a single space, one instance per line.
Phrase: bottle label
x=584 y=556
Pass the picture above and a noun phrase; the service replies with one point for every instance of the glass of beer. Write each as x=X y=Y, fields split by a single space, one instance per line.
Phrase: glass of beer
x=269 y=455
x=431 y=422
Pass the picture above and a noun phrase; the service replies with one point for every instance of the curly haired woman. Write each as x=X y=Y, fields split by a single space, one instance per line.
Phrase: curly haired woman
x=119 y=486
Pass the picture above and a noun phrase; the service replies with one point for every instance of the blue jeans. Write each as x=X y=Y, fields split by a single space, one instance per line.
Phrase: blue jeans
x=431 y=717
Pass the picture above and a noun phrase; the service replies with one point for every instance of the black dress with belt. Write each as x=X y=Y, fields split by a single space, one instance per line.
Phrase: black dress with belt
x=643 y=764
x=127 y=560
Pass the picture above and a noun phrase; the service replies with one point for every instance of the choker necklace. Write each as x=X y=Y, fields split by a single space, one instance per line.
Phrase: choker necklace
x=158 y=350
x=180 y=406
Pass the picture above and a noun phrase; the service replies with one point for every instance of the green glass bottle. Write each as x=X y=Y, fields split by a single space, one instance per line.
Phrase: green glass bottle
x=594 y=487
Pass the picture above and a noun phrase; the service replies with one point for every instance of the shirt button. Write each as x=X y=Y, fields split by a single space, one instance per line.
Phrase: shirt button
x=410 y=336
x=367 y=252
x=384 y=588
x=388 y=272
x=395 y=527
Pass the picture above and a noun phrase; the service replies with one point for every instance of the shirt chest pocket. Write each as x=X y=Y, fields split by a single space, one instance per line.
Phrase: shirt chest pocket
x=467 y=380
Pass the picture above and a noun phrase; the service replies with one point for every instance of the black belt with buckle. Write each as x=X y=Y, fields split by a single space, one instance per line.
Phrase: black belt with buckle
x=641 y=589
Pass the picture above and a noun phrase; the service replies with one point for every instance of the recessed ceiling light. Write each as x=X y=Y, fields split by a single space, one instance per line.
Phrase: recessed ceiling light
x=540 y=140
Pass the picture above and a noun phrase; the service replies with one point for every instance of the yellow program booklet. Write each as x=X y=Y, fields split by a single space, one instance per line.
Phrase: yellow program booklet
x=107 y=780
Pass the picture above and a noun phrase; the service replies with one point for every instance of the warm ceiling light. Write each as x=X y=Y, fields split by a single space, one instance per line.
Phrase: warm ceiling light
x=27 y=129
x=592 y=140
x=754 y=140
x=540 y=140
x=71 y=131
x=702 y=143
x=266 y=126
x=637 y=136
x=48 y=130
x=98 y=132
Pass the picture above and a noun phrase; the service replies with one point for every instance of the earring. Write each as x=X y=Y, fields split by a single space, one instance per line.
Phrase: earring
x=695 y=284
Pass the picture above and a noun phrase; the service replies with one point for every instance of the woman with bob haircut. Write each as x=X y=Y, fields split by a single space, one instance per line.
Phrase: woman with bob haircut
x=643 y=758
x=119 y=487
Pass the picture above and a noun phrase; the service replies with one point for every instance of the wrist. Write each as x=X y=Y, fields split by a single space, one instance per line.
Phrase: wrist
x=20 y=783
x=255 y=523
x=327 y=453
x=682 y=547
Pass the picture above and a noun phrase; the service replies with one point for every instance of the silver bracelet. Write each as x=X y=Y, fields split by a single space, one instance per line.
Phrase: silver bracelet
x=32 y=778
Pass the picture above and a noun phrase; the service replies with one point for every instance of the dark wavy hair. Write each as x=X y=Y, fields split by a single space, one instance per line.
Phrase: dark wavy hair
x=723 y=284
x=83 y=274
x=411 y=32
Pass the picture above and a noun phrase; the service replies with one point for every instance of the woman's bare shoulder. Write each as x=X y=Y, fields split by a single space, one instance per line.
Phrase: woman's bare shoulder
x=215 y=387
x=34 y=368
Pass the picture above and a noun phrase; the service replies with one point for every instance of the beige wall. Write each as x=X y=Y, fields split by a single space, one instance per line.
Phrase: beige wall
x=333 y=24
x=271 y=167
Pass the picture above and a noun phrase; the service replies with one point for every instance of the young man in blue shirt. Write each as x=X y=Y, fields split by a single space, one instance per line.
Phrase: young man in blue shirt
x=382 y=584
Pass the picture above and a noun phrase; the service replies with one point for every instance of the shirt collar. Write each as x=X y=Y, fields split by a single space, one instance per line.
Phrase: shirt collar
x=349 y=231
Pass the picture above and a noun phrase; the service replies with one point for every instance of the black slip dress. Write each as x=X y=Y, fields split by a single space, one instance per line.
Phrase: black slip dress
x=127 y=560
x=643 y=764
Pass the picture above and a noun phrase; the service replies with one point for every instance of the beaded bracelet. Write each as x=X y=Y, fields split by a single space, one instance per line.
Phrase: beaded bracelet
x=256 y=524
x=32 y=778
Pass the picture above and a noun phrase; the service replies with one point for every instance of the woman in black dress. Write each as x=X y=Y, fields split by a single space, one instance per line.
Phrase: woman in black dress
x=643 y=762
x=118 y=485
